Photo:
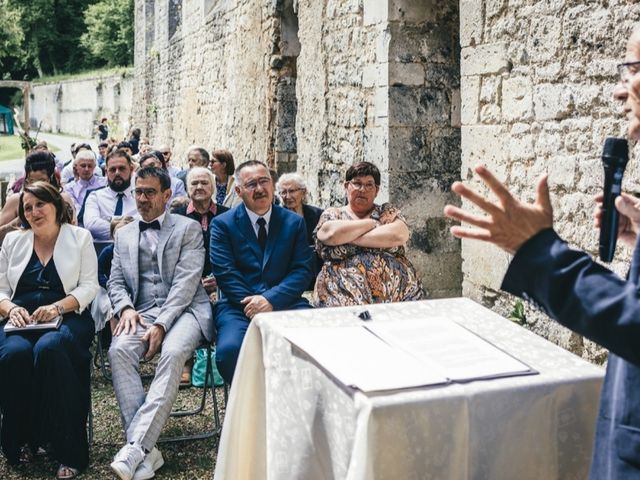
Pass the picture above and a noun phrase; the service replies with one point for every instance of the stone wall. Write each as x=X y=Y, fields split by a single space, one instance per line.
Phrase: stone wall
x=537 y=83
x=74 y=106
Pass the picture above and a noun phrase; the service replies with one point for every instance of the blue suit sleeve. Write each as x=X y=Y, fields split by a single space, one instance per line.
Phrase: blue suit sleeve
x=578 y=292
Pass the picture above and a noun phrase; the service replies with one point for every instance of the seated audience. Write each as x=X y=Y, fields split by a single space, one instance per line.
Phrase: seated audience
x=155 y=159
x=114 y=200
x=293 y=192
x=196 y=157
x=69 y=172
x=45 y=374
x=39 y=166
x=161 y=307
x=260 y=260
x=84 y=165
x=222 y=166
x=165 y=150
x=362 y=246
x=202 y=209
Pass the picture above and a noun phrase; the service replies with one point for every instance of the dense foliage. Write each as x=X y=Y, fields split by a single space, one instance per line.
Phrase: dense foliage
x=50 y=37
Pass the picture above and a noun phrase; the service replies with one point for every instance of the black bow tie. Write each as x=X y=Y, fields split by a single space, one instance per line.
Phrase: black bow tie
x=144 y=225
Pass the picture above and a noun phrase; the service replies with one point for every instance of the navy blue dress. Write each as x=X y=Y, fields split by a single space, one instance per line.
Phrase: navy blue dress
x=45 y=375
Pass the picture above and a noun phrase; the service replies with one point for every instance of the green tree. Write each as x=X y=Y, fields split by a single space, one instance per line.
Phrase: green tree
x=11 y=34
x=109 y=32
x=52 y=30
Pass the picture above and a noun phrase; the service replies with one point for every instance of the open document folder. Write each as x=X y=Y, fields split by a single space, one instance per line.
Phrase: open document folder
x=404 y=354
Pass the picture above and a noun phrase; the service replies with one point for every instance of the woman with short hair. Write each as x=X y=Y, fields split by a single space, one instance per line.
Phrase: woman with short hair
x=362 y=246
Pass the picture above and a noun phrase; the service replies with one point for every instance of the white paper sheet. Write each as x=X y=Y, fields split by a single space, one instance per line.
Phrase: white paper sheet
x=449 y=347
x=359 y=359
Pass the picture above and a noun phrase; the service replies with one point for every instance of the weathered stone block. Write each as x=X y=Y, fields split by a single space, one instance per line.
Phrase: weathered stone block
x=485 y=59
x=484 y=264
x=562 y=171
x=484 y=144
x=375 y=11
x=375 y=75
x=409 y=74
x=517 y=99
x=471 y=22
x=521 y=148
x=552 y=102
x=409 y=106
x=470 y=93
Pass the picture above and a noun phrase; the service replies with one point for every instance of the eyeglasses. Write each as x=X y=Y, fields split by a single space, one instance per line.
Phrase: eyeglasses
x=627 y=70
x=367 y=187
x=291 y=191
x=147 y=192
x=264 y=182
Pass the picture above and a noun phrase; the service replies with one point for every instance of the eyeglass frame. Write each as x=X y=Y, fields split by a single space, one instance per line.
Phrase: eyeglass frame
x=149 y=193
x=253 y=184
x=366 y=187
x=625 y=68
x=290 y=191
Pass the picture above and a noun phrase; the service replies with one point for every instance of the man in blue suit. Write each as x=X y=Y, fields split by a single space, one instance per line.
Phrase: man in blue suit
x=260 y=260
x=569 y=286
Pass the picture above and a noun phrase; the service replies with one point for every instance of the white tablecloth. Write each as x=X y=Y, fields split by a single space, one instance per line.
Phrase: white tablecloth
x=287 y=419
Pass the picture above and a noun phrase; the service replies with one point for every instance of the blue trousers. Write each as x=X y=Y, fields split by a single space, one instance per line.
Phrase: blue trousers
x=45 y=393
x=231 y=326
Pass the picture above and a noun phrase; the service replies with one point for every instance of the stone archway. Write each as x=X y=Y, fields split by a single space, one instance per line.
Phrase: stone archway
x=25 y=87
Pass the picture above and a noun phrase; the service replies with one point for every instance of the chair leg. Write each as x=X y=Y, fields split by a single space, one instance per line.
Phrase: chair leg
x=215 y=430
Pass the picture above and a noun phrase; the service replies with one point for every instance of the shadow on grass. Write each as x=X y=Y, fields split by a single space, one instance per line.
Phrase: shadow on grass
x=183 y=460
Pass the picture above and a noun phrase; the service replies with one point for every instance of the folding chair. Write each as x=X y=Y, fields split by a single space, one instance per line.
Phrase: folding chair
x=215 y=430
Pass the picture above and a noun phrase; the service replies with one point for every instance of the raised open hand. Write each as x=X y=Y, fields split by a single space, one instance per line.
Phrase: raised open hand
x=509 y=223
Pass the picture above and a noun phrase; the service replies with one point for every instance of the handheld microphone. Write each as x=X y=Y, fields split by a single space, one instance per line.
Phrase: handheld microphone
x=614 y=160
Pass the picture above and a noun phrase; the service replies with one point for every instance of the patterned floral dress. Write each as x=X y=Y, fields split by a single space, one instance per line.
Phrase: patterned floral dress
x=353 y=275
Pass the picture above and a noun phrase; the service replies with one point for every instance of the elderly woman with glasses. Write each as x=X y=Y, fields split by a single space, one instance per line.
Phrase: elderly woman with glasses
x=362 y=246
x=292 y=191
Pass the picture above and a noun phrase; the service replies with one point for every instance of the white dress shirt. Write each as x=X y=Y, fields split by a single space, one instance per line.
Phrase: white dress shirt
x=254 y=220
x=100 y=207
x=152 y=235
x=77 y=189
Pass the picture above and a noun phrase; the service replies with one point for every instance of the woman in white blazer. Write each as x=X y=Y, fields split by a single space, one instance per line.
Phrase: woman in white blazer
x=47 y=269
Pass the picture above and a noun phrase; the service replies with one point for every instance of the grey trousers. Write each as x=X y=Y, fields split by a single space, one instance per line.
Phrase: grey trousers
x=144 y=416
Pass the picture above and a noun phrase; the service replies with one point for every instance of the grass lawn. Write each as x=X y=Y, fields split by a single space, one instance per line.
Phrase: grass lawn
x=183 y=460
x=10 y=148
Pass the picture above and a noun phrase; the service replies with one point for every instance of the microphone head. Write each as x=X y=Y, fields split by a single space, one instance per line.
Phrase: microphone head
x=616 y=148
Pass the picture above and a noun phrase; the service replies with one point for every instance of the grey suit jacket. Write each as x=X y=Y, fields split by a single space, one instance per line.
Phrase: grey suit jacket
x=180 y=258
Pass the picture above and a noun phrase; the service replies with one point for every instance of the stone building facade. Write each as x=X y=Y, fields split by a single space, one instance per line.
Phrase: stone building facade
x=423 y=88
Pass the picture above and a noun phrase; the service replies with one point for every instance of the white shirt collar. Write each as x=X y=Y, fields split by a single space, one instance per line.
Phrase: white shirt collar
x=254 y=217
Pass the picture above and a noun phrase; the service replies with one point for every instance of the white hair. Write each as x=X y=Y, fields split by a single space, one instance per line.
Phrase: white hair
x=84 y=155
x=292 y=177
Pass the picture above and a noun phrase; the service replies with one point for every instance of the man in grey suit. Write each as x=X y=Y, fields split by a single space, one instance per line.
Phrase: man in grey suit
x=156 y=293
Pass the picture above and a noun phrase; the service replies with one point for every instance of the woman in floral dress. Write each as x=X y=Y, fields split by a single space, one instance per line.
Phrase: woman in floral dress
x=362 y=247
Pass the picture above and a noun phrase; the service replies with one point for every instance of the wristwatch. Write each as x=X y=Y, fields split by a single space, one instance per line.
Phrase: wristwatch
x=375 y=215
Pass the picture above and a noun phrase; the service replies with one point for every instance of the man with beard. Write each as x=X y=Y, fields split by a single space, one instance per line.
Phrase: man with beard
x=161 y=306
x=260 y=260
x=113 y=201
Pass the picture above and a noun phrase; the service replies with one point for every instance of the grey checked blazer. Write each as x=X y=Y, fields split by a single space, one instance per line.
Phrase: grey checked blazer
x=180 y=258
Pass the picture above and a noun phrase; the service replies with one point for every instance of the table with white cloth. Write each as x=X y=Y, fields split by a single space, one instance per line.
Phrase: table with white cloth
x=287 y=418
